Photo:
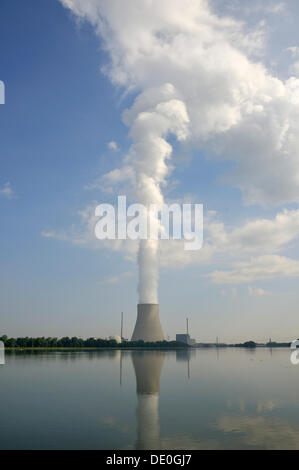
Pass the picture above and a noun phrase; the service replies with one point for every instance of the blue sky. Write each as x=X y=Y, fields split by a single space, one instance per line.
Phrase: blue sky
x=61 y=112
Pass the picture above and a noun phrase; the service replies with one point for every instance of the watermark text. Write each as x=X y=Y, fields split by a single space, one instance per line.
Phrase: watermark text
x=138 y=222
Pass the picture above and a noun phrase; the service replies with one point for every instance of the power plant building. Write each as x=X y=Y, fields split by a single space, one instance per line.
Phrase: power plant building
x=185 y=338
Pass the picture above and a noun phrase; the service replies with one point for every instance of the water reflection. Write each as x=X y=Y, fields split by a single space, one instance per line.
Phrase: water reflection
x=148 y=367
x=2 y=353
x=185 y=355
x=234 y=399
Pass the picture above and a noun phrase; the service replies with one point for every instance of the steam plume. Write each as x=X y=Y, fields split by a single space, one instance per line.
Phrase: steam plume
x=148 y=157
x=239 y=110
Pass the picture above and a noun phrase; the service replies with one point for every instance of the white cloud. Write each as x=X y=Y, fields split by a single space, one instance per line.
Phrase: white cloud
x=184 y=54
x=232 y=292
x=82 y=234
x=277 y=8
x=223 y=244
x=265 y=235
x=237 y=109
x=257 y=269
x=57 y=235
x=249 y=8
x=123 y=178
x=294 y=50
x=118 y=278
x=196 y=75
x=256 y=243
x=7 y=191
x=118 y=177
x=257 y=292
x=295 y=68
x=113 y=146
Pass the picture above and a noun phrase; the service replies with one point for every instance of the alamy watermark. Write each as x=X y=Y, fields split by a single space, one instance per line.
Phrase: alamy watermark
x=138 y=222
x=2 y=92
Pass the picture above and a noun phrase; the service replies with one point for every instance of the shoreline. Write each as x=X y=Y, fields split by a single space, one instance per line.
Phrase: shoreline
x=99 y=349
x=130 y=348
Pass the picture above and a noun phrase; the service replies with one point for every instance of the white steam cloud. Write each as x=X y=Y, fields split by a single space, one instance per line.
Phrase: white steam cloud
x=148 y=157
x=193 y=68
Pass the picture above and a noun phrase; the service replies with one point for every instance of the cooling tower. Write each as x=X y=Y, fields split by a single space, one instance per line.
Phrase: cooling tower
x=148 y=326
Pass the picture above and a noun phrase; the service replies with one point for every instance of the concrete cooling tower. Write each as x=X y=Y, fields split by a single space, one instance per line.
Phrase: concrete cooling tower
x=148 y=326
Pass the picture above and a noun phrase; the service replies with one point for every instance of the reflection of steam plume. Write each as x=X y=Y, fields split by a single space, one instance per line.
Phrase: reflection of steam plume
x=148 y=366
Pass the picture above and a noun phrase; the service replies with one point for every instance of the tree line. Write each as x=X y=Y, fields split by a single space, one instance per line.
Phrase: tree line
x=74 y=342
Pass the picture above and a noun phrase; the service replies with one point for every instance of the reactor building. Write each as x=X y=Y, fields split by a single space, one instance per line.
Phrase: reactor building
x=148 y=327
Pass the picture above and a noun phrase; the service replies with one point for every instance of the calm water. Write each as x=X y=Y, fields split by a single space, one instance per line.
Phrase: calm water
x=230 y=399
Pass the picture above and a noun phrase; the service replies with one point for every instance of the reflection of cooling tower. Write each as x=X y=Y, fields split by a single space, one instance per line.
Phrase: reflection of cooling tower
x=148 y=326
x=148 y=367
x=2 y=353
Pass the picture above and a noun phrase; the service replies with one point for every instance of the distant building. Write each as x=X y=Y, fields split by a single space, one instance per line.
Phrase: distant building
x=115 y=338
x=185 y=338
